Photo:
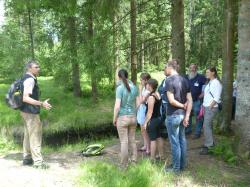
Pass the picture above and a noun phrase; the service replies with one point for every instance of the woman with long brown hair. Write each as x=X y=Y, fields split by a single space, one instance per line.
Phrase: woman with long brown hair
x=153 y=120
x=125 y=116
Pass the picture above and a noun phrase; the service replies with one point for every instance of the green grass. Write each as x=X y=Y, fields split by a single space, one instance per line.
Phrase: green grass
x=99 y=173
x=104 y=174
x=68 y=112
x=7 y=146
x=215 y=175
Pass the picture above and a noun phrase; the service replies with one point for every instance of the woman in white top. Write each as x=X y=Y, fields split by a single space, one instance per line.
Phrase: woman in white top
x=141 y=114
x=212 y=99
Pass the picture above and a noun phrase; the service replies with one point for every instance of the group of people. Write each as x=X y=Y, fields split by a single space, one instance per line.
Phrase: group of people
x=171 y=107
x=174 y=105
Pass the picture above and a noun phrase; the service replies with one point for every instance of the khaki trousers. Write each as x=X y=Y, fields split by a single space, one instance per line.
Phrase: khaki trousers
x=126 y=126
x=32 y=137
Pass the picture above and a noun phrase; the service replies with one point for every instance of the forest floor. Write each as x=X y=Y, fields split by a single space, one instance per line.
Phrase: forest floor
x=65 y=169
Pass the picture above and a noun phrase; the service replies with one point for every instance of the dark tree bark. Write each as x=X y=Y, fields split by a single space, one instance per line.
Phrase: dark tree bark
x=133 y=41
x=90 y=40
x=177 y=33
x=227 y=66
x=243 y=68
x=142 y=56
x=73 y=56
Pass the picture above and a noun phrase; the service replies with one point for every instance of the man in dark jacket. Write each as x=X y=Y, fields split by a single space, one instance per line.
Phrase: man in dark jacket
x=196 y=82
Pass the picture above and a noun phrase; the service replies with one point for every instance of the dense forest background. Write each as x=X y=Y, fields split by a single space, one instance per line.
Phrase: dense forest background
x=71 y=39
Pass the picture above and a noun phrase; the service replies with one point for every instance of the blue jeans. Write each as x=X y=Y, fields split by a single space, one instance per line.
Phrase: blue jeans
x=176 y=134
x=195 y=112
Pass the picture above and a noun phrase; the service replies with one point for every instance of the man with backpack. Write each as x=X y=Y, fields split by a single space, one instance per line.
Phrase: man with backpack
x=30 y=110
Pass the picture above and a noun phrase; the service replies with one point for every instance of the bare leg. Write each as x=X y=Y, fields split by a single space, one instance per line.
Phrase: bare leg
x=160 y=147
x=146 y=140
x=153 y=149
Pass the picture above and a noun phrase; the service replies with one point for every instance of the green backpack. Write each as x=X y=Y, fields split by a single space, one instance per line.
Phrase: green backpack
x=93 y=150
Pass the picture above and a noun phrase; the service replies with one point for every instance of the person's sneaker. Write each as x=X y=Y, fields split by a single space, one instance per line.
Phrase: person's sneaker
x=170 y=169
x=204 y=151
x=41 y=166
x=27 y=162
x=196 y=136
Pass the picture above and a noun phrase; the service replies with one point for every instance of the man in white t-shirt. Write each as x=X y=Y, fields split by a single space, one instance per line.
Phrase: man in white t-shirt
x=30 y=111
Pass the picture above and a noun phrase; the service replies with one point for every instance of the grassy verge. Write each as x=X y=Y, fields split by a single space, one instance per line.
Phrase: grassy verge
x=105 y=174
x=7 y=146
x=67 y=113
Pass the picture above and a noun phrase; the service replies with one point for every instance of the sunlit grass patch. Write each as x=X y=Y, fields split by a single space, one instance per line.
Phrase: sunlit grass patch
x=100 y=173
x=105 y=174
x=68 y=112
x=7 y=146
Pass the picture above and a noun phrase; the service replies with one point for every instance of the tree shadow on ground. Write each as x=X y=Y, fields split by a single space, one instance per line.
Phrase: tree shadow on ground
x=13 y=156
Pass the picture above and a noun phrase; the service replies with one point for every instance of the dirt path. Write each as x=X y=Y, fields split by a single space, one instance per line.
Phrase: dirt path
x=64 y=166
x=62 y=171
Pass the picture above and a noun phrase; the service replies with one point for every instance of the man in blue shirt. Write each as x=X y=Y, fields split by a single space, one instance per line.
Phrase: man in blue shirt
x=196 y=82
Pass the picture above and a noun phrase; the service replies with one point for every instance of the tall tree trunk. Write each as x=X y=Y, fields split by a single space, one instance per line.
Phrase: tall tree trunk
x=115 y=50
x=192 y=30
x=133 y=41
x=31 y=34
x=177 y=33
x=227 y=66
x=142 y=56
x=73 y=56
x=243 y=68
x=90 y=39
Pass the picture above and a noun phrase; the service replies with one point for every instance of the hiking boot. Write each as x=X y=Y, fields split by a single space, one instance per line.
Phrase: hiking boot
x=41 y=166
x=204 y=151
x=27 y=162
